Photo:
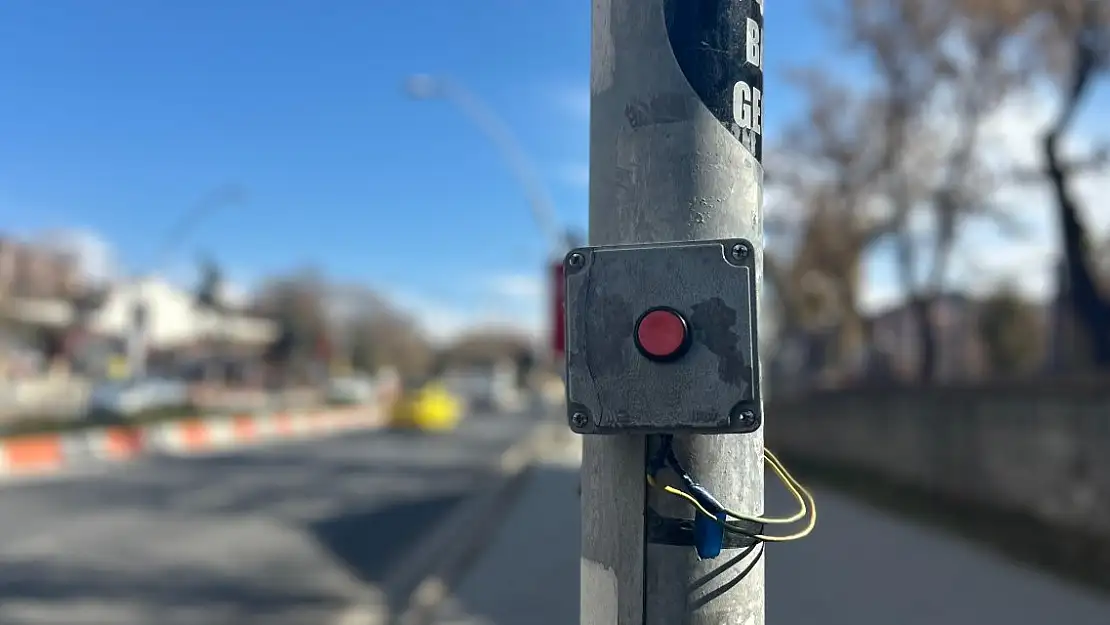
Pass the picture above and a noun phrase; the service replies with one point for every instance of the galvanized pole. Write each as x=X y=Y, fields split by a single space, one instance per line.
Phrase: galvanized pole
x=675 y=154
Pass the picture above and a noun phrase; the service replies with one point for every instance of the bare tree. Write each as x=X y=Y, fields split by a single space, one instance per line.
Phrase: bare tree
x=372 y=333
x=975 y=78
x=901 y=163
x=824 y=178
x=1012 y=331
x=387 y=338
x=1066 y=42
x=1102 y=261
x=296 y=304
x=1077 y=35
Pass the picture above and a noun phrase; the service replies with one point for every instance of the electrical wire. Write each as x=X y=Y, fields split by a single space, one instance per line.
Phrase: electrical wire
x=702 y=508
x=703 y=501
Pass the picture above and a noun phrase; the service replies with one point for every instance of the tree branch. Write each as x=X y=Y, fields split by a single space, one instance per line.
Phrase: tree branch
x=1089 y=304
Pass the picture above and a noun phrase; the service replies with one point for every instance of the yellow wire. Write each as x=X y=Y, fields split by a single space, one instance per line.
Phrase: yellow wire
x=789 y=483
x=788 y=480
x=808 y=529
x=784 y=477
x=763 y=537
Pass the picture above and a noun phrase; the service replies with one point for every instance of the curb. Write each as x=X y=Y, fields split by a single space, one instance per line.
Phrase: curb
x=425 y=577
x=469 y=535
x=31 y=456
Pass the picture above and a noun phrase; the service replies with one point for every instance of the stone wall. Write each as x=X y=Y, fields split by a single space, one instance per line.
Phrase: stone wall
x=1030 y=448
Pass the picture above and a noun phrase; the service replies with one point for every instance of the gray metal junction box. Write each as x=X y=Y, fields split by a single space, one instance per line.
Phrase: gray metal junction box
x=661 y=338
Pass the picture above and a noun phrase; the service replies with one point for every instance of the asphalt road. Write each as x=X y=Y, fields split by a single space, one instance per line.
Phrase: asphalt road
x=860 y=567
x=283 y=534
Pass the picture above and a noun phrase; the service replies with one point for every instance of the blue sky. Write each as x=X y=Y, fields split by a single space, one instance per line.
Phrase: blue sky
x=118 y=116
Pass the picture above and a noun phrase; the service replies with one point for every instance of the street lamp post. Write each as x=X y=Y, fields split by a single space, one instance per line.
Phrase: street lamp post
x=139 y=318
x=560 y=239
x=426 y=87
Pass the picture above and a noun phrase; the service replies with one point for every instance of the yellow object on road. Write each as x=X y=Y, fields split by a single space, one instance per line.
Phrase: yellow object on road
x=430 y=408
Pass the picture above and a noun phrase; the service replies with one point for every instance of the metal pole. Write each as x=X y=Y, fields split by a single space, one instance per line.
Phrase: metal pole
x=560 y=240
x=675 y=154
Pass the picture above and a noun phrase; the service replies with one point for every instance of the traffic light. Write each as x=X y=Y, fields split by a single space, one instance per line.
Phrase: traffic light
x=558 y=310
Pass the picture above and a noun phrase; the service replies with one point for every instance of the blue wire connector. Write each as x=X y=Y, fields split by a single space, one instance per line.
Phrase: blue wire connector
x=709 y=537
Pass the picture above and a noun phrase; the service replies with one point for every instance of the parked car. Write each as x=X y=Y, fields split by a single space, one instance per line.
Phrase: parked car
x=351 y=390
x=127 y=398
x=428 y=407
x=485 y=389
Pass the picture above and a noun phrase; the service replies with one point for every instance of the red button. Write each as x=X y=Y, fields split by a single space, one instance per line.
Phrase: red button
x=661 y=334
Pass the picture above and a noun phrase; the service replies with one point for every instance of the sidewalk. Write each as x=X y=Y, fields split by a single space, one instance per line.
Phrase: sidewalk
x=860 y=567
x=529 y=574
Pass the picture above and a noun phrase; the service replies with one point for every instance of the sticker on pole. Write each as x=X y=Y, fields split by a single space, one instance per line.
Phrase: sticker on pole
x=661 y=338
x=718 y=44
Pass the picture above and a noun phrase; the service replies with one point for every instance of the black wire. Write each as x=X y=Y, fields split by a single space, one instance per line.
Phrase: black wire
x=696 y=490
x=660 y=459
x=665 y=456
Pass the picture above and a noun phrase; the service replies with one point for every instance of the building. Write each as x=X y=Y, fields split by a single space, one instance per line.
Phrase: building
x=40 y=295
x=177 y=331
x=896 y=343
x=174 y=321
x=810 y=358
x=30 y=271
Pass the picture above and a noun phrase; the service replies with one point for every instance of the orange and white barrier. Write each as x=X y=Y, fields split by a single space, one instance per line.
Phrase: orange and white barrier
x=39 y=454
